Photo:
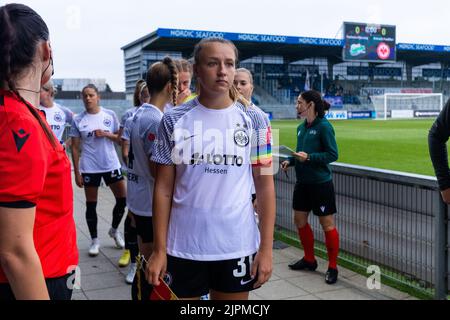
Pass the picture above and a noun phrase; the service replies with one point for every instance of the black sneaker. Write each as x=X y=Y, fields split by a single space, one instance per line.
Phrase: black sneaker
x=331 y=276
x=302 y=264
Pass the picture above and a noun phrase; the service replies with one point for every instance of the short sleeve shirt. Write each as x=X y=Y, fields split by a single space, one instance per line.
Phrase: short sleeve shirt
x=58 y=117
x=213 y=152
x=36 y=174
x=98 y=154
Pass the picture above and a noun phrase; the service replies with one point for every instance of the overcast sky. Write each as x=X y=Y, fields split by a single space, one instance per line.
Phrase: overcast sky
x=87 y=35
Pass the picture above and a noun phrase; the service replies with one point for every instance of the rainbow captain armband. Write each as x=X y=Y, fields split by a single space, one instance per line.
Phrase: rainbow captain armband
x=261 y=153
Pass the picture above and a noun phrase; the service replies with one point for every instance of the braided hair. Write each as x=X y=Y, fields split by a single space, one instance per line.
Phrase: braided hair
x=162 y=73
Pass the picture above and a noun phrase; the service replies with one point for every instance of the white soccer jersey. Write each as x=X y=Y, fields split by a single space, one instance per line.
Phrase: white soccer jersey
x=126 y=129
x=97 y=154
x=213 y=151
x=168 y=107
x=143 y=130
x=58 y=117
x=128 y=114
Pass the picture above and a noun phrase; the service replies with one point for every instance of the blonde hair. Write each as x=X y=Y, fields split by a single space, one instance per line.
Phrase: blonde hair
x=250 y=76
x=140 y=86
x=234 y=93
x=183 y=66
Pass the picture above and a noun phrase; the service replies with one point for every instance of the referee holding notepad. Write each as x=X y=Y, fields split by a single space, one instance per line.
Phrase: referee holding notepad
x=314 y=190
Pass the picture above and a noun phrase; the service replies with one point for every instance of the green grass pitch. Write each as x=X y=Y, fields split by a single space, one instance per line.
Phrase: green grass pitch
x=400 y=145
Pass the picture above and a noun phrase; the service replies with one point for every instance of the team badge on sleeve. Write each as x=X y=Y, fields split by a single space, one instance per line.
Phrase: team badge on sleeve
x=151 y=137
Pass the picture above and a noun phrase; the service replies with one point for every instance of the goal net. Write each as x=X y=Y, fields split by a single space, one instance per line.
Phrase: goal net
x=407 y=105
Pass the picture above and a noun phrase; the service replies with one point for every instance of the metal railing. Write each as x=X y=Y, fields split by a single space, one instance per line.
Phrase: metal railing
x=390 y=219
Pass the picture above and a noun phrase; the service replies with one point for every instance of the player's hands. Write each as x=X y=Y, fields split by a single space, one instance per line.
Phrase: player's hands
x=79 y=180
x=446 y=195
x=262 y=266
x=300 y=156
x=156 y=268
x=101 y=134
x=285 y=165
x=183 y=96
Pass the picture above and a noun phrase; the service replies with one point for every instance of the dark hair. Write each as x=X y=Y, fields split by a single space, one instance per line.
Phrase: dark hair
x=161 y=73
x=320 y=105
x=90 y=86
x=141 y=85
x=234 y=93
x=21 y=30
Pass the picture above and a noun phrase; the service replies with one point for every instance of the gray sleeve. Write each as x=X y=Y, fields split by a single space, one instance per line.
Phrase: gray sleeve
x=116 y=122
x=126 y=130
x=149 y=136
x=69 y=115
x=74 y=132
x=164 y=144
x=124 y=119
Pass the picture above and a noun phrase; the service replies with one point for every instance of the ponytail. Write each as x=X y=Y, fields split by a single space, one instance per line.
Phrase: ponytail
x=236 y=96
x=21 y=30
x=6 y=39
x=49 y=134
x=161 y=73
x=173 y=78
x=140 y=86
x=320 y=105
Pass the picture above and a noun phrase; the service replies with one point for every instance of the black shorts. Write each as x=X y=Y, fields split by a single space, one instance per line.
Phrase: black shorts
x=140 y=289
x=58 y=288
x=94 y=179
x=320 y=198
x=144 y=228
x=190 y=279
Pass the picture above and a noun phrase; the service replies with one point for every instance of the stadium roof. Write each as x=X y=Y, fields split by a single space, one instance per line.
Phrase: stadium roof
x=291 y=48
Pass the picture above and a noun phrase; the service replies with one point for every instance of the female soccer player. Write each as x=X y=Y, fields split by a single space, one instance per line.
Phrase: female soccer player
x=96 y=130
x=314 y=190
x=140 y=97
x=209 y=151
x=162 y=79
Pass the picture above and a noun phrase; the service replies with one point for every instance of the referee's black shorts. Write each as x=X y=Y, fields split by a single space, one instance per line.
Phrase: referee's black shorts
x=320 y=198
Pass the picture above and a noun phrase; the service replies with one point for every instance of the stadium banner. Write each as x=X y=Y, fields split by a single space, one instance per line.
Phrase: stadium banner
x=378 y=91
x=360 y=114
x=336 y=102
x=196 y=34
x=369 y=42
x=402 y=114
x=337 y=115
x=426 y=113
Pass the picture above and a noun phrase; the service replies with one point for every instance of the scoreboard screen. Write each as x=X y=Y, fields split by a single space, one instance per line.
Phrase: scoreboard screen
x=369 y=42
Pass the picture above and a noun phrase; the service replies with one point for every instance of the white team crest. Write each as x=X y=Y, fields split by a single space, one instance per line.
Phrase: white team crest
x=107 y=122
x=58 y=117
x=241 y=138
x=323 y=209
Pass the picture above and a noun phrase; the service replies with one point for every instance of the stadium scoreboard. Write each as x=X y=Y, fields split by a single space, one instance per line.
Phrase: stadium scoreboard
x=365 y=42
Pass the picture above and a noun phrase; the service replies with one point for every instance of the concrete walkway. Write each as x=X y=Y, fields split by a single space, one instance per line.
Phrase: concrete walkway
x=102 y=279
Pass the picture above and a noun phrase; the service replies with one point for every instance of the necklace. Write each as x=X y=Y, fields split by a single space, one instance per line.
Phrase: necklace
x=29 y=90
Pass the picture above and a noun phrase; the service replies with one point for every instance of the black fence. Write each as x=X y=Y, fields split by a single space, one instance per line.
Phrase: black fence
x=395 y=221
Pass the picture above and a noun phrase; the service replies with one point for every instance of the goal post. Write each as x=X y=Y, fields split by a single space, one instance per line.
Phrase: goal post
x=407 y=105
